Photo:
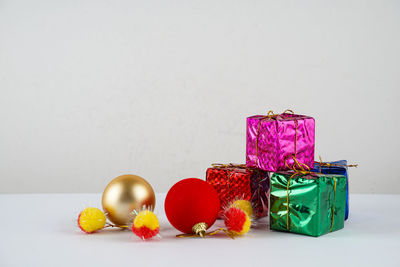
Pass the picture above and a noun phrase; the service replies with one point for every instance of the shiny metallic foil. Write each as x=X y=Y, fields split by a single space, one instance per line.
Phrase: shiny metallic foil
x=312 y=203
x=273 y=143
x=341 y=169
x=237 y=183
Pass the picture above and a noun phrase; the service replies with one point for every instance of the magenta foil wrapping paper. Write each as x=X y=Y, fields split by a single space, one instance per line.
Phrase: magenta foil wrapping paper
x=280 y=139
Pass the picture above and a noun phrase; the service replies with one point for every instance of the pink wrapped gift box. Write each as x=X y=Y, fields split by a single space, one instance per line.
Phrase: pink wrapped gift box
x=276 y=142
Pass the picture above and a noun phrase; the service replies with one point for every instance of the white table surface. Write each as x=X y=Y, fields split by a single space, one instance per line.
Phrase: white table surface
x=41 y=230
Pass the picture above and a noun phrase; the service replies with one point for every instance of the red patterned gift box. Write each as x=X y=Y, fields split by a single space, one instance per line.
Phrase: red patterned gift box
x=234 y=181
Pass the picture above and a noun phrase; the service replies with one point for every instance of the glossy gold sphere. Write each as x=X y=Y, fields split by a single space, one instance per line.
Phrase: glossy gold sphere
x=125 y=194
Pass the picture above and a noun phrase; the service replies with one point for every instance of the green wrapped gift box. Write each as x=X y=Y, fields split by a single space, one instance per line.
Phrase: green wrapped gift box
x=307 y=203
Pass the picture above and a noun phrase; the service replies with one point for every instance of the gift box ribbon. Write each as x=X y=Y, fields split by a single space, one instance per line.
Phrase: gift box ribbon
x=304 y=171
x=271 y=115
x=229 y=172
x=257 y=194
x=327 y=164
x=228 y=167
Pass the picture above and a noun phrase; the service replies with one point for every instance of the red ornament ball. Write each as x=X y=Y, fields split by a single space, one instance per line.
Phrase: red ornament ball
x=191 y=201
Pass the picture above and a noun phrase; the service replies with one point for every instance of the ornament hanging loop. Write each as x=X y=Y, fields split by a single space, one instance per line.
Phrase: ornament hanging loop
x=288 y=111
x=199 y=230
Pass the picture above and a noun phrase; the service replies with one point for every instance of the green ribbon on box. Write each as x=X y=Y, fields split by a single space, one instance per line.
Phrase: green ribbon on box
x=307 y=203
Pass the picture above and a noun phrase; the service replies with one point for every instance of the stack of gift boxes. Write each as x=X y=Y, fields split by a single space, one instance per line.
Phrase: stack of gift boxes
x=281 y=177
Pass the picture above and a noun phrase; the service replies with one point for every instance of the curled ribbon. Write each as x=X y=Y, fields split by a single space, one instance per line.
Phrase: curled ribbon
x=327 y=164
x=214 y=232
x=199 y=230
x=301 y=165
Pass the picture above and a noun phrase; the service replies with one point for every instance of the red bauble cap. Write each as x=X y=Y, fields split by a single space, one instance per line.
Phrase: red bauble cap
x=189 y=202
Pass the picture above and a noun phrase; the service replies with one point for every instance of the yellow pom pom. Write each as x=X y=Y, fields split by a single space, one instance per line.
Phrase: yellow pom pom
x=146 y=218
x=244 y=205
x=91 y=220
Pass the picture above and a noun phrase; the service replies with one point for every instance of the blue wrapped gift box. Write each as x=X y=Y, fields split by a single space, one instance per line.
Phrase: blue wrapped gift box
x=335 y=167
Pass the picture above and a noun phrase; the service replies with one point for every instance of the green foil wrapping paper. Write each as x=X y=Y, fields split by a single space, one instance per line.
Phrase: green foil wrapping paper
x=312 y=202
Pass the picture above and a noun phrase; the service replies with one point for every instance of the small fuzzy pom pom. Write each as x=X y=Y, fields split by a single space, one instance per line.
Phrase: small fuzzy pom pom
x=91 y=220
x=237 y=221
x=145 y=225
x=244 y=205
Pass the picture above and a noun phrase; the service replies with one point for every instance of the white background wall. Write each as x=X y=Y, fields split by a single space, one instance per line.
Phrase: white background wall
x=90 y=90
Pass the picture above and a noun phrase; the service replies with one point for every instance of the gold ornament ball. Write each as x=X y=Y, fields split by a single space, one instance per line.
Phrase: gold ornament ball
x=125 y=194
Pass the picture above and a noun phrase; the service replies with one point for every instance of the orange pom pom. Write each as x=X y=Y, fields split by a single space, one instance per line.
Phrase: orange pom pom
x=237 y=221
